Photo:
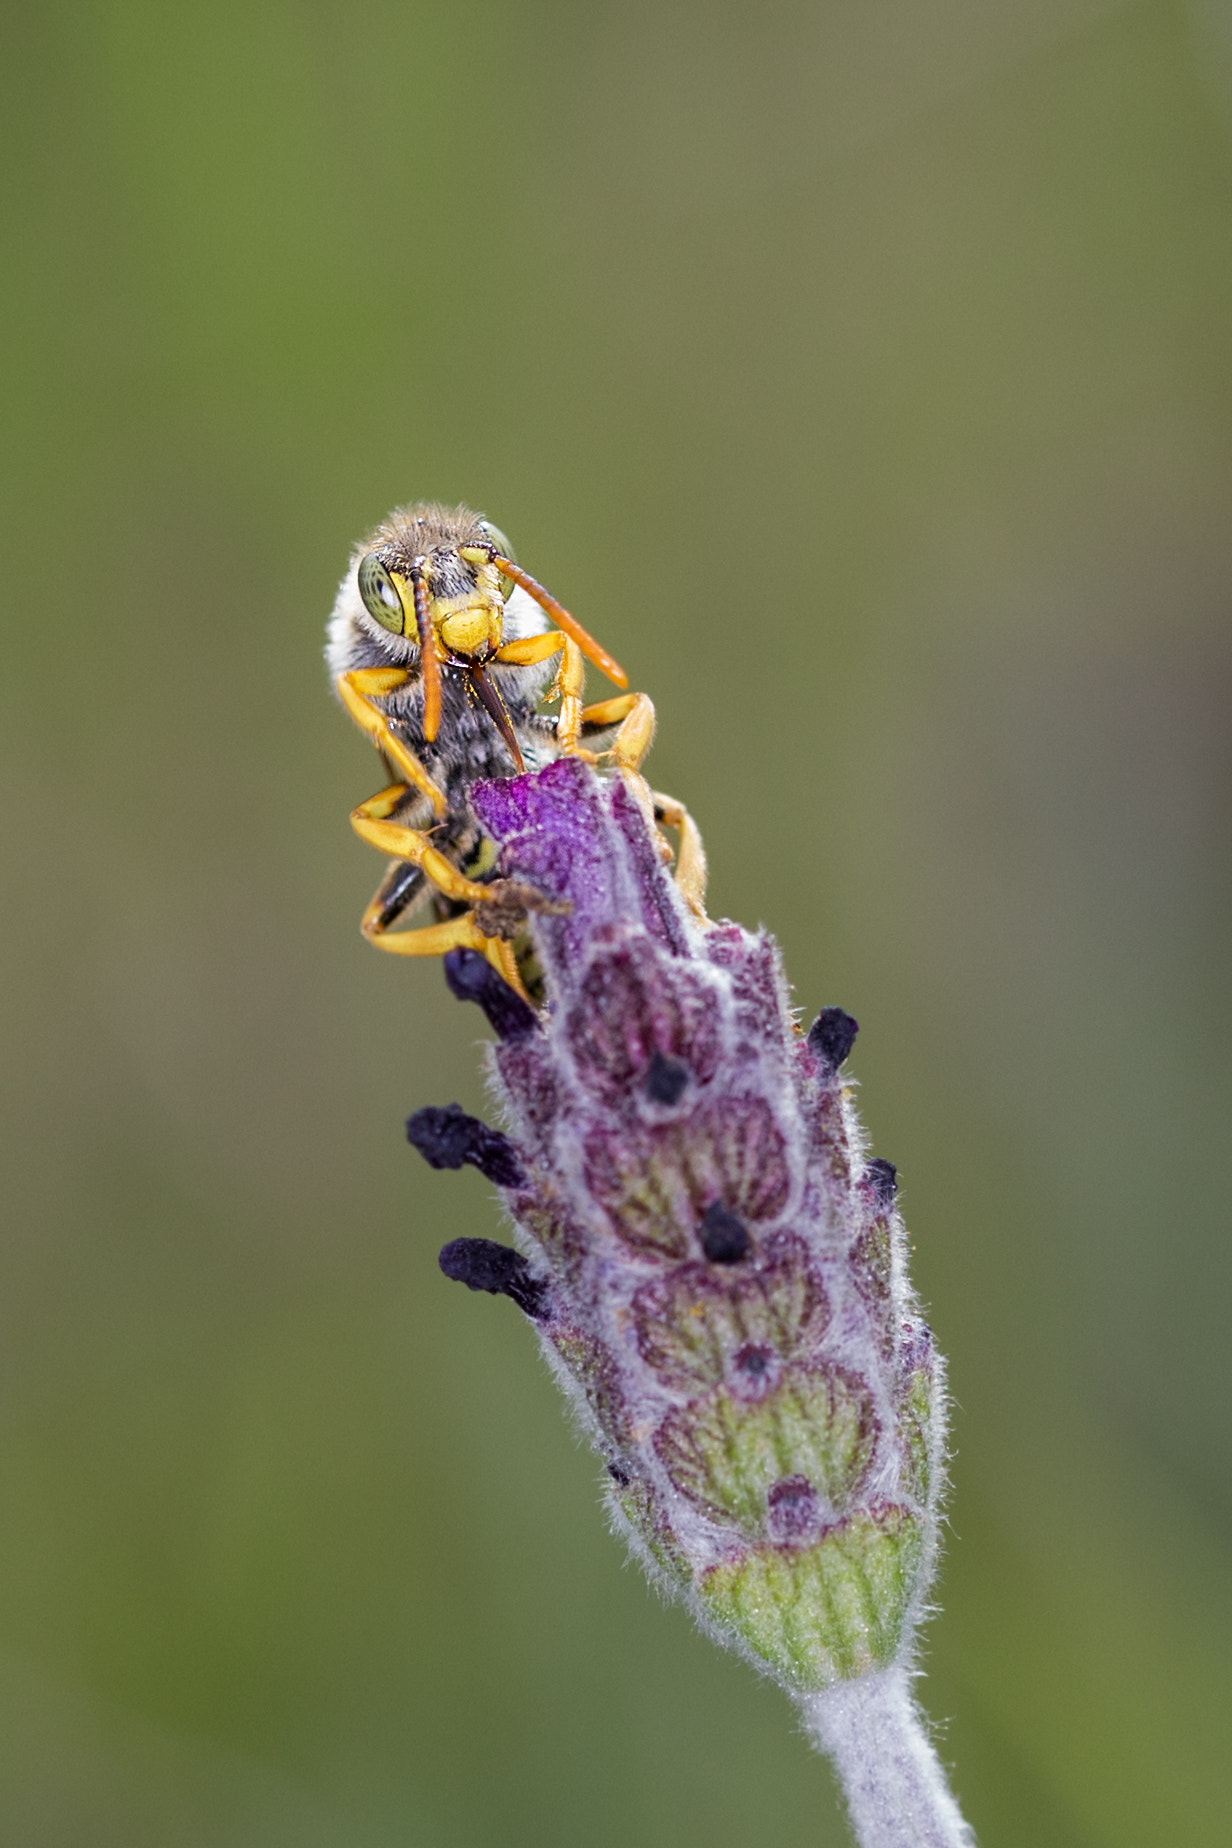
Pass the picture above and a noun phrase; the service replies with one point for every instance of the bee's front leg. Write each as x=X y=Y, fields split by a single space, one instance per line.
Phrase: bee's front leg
x=632 y=712
x=357 y=689
x=567 y=686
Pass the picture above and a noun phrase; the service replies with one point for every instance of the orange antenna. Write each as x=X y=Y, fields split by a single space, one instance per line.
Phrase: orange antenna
x=429 y=659
x=563 y=620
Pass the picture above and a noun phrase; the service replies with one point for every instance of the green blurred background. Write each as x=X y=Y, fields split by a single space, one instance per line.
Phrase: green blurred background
x=861 y=373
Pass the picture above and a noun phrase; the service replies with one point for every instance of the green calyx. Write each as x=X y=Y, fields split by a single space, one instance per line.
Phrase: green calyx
x=915 y=1428
x=594 y=1369
x=637 y=1504
x=826 y=1613
x=693 y=1320
x=656 y=1184
x=726 y=1453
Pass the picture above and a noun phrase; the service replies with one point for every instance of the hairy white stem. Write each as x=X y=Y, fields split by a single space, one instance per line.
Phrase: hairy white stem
x=891 y=1776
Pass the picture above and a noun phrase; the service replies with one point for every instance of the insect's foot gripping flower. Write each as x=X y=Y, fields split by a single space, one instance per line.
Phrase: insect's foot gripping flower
x=715 y=1270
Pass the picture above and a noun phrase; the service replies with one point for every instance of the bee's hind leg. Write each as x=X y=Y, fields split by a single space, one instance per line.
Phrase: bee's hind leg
x=401 y=887
x=461 y=933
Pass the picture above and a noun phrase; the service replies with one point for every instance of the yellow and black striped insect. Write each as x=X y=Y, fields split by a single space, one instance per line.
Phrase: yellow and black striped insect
x=441 y=648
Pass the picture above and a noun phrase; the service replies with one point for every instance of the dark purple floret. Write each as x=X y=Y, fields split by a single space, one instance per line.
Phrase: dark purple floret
x=482 y=1264
x=665 y=1079
x=447 y=1138
x=832 y=1036
x=471 y=977
x=882 y=1177
x=725 y=1239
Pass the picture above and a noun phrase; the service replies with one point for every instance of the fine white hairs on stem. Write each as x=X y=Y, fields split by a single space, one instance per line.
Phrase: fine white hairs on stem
x=896 y=1791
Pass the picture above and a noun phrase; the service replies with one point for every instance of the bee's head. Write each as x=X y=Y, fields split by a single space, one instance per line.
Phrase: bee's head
x=430 y=574
x=436 y=578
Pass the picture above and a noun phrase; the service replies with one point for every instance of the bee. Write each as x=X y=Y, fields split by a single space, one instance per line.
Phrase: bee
x=441 y=649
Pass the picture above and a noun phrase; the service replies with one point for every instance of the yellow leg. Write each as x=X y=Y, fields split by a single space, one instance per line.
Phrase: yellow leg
x=567 y=686
x=531 y=649
x=504 y=902
x=500 y=954
x=636 y=734
x=610 y=711
x=633 y=713
x=432 y=939
x=691 y=859
x=370 y=822
x=436 y=939
x=570 y=679
x=462 y=933
x=401 y=890
x=356 y=690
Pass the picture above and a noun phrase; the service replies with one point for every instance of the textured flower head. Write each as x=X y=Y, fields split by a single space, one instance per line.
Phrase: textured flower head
x=715 y=1269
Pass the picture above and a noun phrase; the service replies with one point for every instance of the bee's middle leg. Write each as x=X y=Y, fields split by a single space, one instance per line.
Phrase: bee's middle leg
x=691 y=857
x=636 y=715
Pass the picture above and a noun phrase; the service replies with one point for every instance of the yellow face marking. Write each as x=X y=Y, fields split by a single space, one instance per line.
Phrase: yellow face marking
x=468 y=631
x=470 y=625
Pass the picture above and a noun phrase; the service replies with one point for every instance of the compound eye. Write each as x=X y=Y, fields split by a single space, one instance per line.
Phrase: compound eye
x=380 y=595
x=496 y=537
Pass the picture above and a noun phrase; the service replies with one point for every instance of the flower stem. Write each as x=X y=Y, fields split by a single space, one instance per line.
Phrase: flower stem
x=896 y=1791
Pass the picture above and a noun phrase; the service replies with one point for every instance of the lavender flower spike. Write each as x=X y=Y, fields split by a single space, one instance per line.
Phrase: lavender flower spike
x=721 y=1285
